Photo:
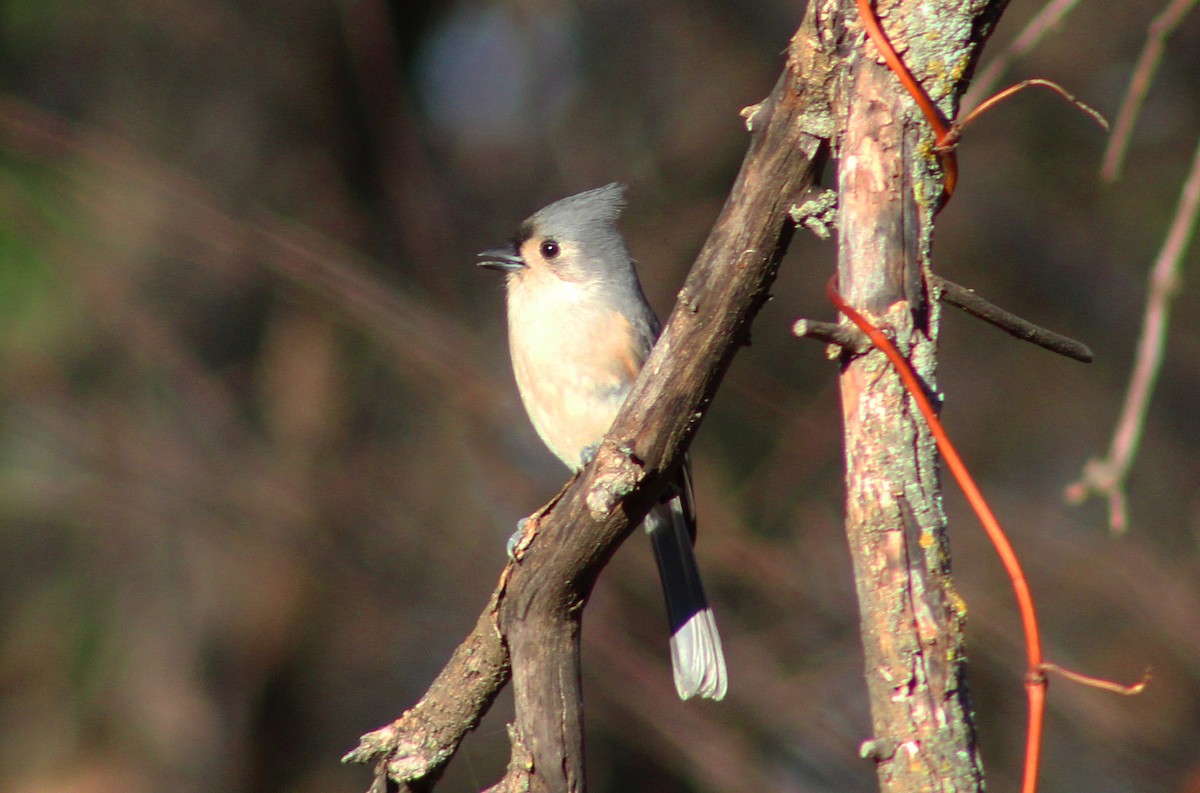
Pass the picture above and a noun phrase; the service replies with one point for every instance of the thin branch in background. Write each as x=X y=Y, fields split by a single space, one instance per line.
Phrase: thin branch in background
x=1161 y=27
x=1048 y=19
x=1106 y=477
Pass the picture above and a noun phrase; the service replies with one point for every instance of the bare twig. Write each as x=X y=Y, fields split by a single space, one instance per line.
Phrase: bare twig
x=1048 y=19
x=845 y=338
x=1161 y=27
x=1106 y=477
x=976 y=306
x=851 y=340
x=1012 y=90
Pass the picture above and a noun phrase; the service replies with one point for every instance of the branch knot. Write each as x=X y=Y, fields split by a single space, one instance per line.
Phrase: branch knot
x=619 y=473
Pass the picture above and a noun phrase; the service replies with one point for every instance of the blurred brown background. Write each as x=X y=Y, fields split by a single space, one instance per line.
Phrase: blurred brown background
x=250 y=500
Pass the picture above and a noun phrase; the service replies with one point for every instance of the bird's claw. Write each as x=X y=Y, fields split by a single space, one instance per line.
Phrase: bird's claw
x=520 y=539
x=588 y=454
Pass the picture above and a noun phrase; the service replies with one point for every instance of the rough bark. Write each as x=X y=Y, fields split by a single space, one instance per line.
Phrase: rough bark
x=535 y=613
x=911 y=621
x=728 y=284
x=889 y=190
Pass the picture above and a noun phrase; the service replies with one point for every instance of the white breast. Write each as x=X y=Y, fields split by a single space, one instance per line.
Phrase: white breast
x=573 y=357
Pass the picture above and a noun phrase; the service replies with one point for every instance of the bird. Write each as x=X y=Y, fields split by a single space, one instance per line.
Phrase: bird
x=579 y=331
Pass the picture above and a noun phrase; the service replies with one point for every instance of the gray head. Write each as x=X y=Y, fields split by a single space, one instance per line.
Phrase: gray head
x=575 y=239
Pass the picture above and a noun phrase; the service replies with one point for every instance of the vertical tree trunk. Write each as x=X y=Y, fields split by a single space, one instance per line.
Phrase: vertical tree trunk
x=912 y=620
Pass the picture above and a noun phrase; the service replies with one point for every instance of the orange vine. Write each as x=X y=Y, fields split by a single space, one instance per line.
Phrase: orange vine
x=1035 y=676
x=945 y=134
x=1035 y=679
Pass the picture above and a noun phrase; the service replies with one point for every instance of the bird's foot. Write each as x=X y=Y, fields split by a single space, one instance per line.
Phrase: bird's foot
x=521 y=538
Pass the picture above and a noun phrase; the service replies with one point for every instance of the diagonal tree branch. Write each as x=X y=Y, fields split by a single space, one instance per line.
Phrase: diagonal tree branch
x=535 y=613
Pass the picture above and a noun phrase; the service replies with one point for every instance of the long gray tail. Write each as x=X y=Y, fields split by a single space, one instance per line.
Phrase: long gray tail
x=696 y=655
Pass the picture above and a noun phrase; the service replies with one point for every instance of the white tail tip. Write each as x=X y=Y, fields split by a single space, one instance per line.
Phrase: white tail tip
x=697 y=658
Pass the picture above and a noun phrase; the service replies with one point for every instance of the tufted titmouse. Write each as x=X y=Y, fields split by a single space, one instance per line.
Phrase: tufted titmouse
x=579 y=331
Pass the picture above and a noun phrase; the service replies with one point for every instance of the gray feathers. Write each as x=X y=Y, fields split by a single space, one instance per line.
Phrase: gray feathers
x=580 y=330
x=599 y=207
x=587 y=222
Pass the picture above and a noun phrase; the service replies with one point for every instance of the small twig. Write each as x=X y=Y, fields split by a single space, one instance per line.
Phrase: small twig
x=1046 y=20
x=1099 y=682
x=847 y=337
x=999 y=97
x=1160 y=29
x=1107 y=476
x=965 y=299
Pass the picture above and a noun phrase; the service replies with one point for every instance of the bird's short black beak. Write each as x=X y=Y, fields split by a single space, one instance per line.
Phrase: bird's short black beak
x=503 y=259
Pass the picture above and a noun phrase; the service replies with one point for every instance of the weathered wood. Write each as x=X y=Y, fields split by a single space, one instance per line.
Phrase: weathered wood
x=539 y=601
x=726 y=287
x=889 y=190
x=535 y=615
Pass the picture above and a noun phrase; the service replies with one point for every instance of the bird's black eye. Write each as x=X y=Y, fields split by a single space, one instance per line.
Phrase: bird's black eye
x=549 y=249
